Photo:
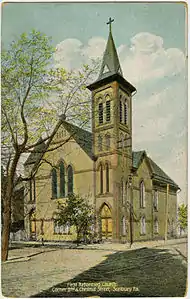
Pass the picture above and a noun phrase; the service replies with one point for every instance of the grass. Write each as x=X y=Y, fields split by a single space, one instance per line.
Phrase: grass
x=145 y=272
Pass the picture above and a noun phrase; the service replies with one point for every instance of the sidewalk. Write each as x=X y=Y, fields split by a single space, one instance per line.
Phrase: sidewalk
x=32 y=248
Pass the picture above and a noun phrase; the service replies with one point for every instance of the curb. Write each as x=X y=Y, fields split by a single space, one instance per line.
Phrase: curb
x=20 y=259
x=25 y=258
x=183 y=256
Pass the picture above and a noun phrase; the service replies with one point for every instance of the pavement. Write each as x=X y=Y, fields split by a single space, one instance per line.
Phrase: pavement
x=33 y=248
x=32 y=270
x=24 y=279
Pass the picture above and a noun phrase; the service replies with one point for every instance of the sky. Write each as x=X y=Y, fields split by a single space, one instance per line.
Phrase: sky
x=152 y=47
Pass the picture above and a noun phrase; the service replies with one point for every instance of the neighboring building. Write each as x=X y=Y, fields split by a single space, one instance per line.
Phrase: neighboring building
x=126 y=188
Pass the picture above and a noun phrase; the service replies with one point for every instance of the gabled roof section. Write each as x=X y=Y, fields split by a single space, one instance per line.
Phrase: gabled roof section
x=160 y=175
x=36 y=153
x=81 y=136
x=40 y=149
x=110 y=62
x=157 y=173
x=137 y=158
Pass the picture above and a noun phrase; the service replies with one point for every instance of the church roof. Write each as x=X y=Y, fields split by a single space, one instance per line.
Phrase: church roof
x=81 y=136
x=36 y=153
x=157 y=173
x=137 y=158
x=160 y=175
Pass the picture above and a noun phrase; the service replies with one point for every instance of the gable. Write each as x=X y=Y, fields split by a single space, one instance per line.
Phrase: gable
x=160 y=175
x=63 y=130
x=144 y=170
x=81 y=136
x=156 y=172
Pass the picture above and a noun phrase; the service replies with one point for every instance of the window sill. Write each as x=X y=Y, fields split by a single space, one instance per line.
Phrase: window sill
x=104 y=194
x=106 y=122
x=108 y=193
x=65 y=197
x=101 y=194
x=62 y=234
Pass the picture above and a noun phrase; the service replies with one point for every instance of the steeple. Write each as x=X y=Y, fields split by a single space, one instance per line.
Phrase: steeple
x=111 y=70
x=110 y=62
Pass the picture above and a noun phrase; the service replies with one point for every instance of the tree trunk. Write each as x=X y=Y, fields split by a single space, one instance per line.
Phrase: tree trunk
x=5 y=233
x=7 y=200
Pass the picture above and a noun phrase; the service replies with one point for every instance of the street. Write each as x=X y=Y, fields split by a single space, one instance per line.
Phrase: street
x=87 y=272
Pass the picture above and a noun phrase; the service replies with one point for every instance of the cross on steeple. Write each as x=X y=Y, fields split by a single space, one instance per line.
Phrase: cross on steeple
x=109 y=23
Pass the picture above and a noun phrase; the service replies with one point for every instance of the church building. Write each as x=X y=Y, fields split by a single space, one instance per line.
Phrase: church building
x=132 y=197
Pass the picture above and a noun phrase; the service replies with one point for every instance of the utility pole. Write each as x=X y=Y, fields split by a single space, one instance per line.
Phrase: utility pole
x=131 y=210
x=166 y=214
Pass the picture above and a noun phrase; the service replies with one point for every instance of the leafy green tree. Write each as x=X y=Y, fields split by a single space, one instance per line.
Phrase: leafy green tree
x=77 y=212
x=182 y=216
x=33 y=92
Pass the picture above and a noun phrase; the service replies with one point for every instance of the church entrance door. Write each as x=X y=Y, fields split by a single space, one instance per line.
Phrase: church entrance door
x=106 y=222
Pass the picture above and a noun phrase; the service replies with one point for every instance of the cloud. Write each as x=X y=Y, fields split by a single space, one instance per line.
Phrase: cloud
x=148 y=59
x=71 y=53
x=68 y=53
x=95 y=47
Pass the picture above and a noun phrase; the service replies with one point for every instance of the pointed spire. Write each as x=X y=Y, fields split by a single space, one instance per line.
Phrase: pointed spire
x=110 y=62
x=111 y=69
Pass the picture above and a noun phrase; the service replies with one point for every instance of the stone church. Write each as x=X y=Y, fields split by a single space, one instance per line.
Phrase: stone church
x=132 y=197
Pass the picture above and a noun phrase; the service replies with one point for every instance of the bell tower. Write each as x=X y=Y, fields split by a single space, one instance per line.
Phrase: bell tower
x=112 y=135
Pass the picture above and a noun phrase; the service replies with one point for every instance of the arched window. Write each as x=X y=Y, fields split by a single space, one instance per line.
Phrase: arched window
x=101 y=179
x=156 y=225
x=70 y=179
x=107 y=142
x=61 y=229
x=120 y=111
x=172 y=228
x=54 y=183
x=168 y=227
x=125 y=113
x=107 y=178
x=122 y=192
x=108 y=116
x=126 y=191
x=156 y=200
x=99 y=143
x=123 y=226
x=143 y=225
x=100 y=113
x=142 y=195
x=62 y=179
